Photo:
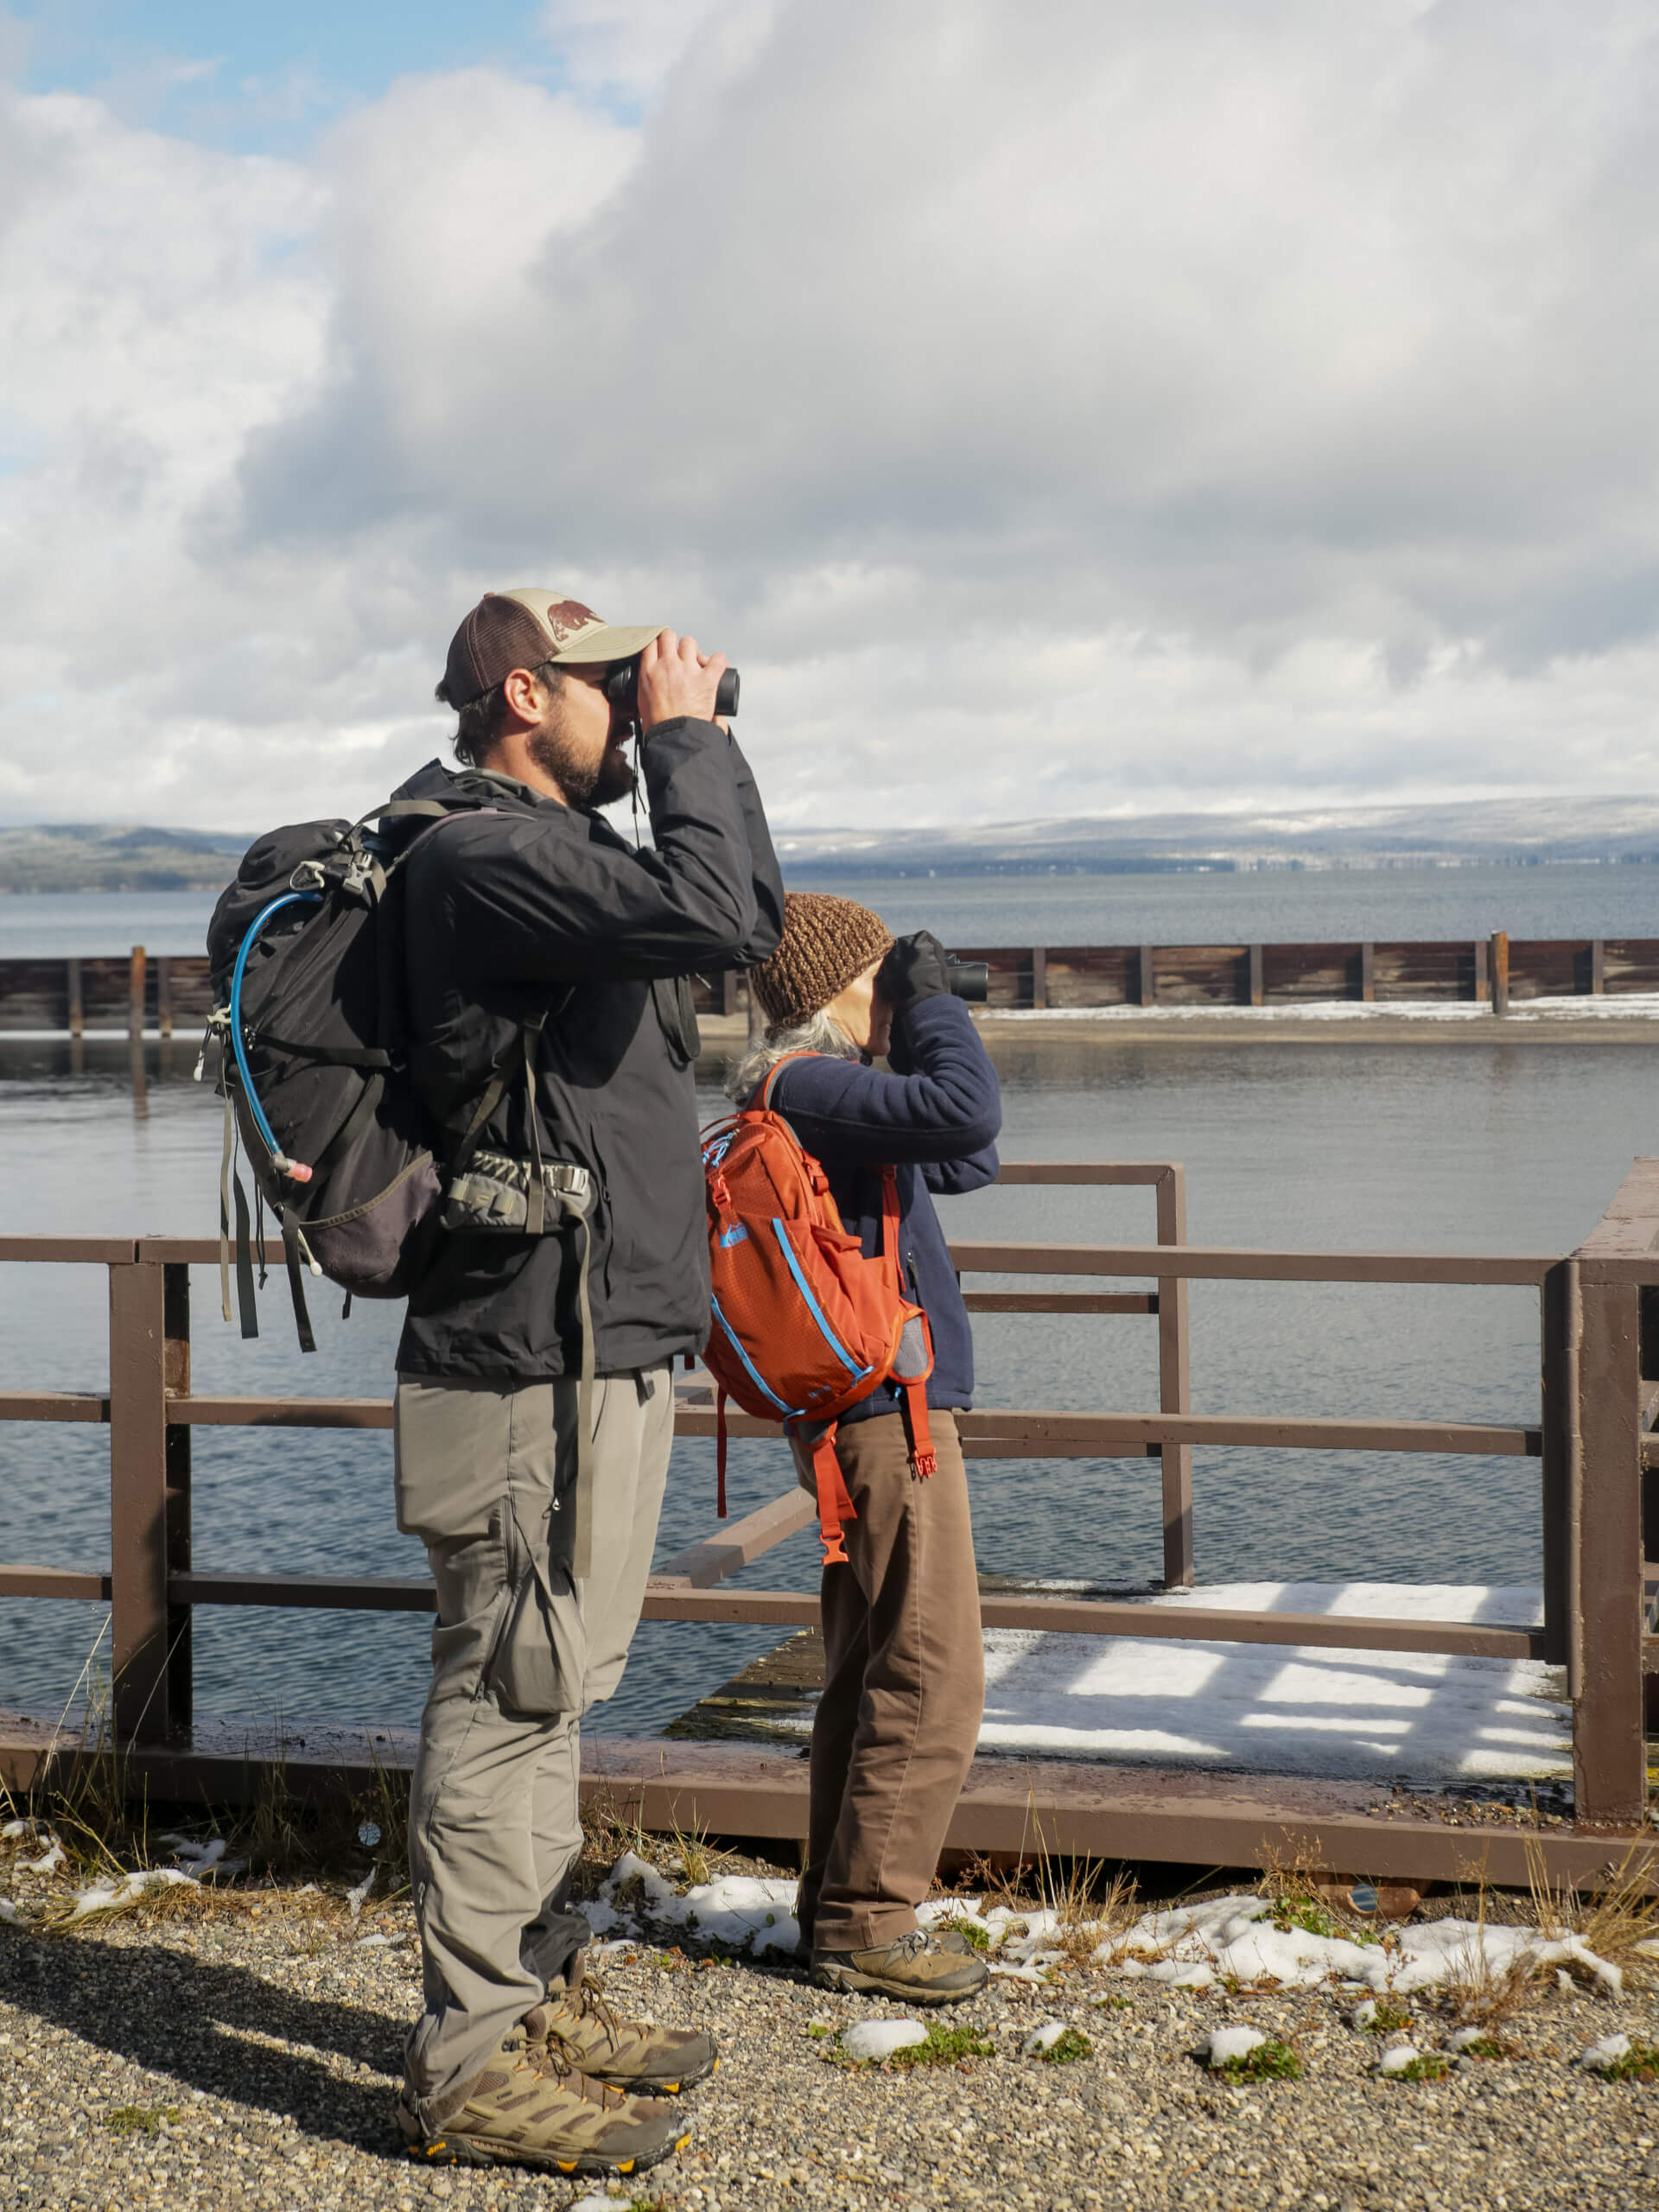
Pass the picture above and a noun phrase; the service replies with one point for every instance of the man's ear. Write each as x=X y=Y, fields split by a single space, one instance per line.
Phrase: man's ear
x=522 y=695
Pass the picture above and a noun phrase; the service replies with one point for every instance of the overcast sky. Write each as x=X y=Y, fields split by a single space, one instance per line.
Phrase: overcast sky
x=1055 y=406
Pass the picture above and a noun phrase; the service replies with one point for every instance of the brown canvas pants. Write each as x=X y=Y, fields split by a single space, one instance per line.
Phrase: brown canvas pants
x=903 y=1687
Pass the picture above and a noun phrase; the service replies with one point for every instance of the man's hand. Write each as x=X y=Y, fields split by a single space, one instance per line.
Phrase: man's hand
x=676 y=679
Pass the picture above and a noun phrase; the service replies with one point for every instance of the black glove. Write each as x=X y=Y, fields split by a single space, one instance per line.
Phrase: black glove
x=914 y=970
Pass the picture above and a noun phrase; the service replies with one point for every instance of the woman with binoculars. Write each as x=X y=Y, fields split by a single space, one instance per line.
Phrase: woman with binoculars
x=904 y=1672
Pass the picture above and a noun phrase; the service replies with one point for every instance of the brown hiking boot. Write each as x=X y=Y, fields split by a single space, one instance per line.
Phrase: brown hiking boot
x=581 y=2027
x=922 y=1968
x=529 y=2108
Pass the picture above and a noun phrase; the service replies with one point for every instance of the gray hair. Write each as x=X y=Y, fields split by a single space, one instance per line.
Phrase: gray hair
x=818 y=1033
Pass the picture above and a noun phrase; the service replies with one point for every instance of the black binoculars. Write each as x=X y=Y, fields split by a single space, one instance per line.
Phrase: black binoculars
x=622 y=688
x=970 y=979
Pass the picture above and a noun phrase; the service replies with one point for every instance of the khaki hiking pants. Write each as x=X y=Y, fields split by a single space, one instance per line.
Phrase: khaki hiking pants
x=904 y=1687
x=485 y=1476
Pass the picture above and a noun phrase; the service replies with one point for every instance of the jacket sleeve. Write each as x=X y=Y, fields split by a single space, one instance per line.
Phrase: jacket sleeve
x=545 y=898
x=766 y=876
x=948 y=1108
x=950 y=1179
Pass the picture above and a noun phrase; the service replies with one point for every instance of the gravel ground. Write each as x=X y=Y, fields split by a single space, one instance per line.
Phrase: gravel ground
x=243 y=2051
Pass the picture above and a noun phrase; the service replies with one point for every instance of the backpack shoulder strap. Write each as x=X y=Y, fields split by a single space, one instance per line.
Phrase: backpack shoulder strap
x=775 y=1071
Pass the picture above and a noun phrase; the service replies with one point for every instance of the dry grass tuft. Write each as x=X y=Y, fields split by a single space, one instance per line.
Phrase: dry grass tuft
x=1619 y=1922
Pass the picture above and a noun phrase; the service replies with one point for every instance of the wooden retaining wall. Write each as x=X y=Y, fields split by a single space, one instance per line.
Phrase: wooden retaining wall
x=159 y=994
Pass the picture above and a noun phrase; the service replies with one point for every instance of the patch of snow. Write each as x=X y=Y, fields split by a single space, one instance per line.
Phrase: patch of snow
x=873 y=2039
x=368 y=1942
x=8 y=1912
x=744 y=1911
x=1603 y=1006
x=1223 y=2045
x=204 y=1858
x=116 y=1897
x=1608 y=2052
x=1195 y=1945
x=1460 y=2038
x=1397 y=2059
x=357 y=1898
x=1364 y=2013
x=13 y=1829
x=49 y=1861
x=1041 y=2039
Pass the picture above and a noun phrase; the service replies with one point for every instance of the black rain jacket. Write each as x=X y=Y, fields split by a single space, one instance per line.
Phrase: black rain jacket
x=535 y=905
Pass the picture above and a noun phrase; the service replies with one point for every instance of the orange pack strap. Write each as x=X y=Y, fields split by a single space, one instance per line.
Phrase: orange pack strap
x=833 y=1504
x=923 y=1457
x=720 y=1454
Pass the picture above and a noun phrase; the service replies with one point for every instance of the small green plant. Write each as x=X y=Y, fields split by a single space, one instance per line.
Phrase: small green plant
x=1486 y=2047
x=1427 y=2066
x=1388 y=2016
x=976 y=1931
x=1113 y=2002
x=1639 y=2063
x=818 y=2030
x=1306 y=1913
x=140 y=2119
x=1268 y=2062
x=1067 y=2049
x=943 y=2047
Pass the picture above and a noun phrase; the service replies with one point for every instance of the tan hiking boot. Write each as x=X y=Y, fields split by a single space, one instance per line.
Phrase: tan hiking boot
x=921 y=1968
x=529 y=2108
x=628 y=2054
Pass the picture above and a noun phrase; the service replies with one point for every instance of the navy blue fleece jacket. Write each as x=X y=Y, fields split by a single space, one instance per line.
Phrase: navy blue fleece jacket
x=935 y=1118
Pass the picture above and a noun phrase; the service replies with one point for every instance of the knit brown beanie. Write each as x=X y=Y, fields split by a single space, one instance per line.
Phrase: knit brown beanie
x=826 y=943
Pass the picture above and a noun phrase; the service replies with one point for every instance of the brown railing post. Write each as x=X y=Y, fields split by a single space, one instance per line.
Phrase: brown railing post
x=1597 y=966
x=1039 y=975
x=164 y=995
x=1482 y=987
x=728 y=991
x=1174 y=1384
x=75 y=1019
x=135 y=995
x=1500 y=971
x=1367 y=973
x=1149 y=978
x=1559 y=1324
x=138 y=1502
x=1609 y=1760
x=176 y=1369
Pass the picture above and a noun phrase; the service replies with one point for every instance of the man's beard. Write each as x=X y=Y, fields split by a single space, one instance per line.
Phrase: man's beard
x=586 y=780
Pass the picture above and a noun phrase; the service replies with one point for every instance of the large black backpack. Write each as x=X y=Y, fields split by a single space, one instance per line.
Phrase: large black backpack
x=307 y=953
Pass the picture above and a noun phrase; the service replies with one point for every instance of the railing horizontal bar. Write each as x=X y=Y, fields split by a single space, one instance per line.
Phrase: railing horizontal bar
x=279 y=1413
x=93 y=1251
x=1230 y=1264
x=1068 y=1435
x=51 y=1405
x=729 y=1549
x=55 y=1582
x=1090 y=1617
x=1060 y=1301
x=380 y=1593
x=1121 y=1171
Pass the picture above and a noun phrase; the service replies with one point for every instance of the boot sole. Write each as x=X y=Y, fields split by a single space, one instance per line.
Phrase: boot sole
x=478 y=2151
x=849 y=1980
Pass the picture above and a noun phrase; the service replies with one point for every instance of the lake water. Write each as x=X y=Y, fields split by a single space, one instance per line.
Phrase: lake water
x=1497 y=1148
x=1274 y=906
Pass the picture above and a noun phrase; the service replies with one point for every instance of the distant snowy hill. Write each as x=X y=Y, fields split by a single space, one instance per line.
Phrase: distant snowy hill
x=116 y=856
x=1526 y=830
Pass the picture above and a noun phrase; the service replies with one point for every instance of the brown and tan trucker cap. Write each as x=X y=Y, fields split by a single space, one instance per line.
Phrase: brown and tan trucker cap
x=524 y=627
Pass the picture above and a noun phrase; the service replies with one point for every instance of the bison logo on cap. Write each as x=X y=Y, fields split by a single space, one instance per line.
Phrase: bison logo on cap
x=569 y=616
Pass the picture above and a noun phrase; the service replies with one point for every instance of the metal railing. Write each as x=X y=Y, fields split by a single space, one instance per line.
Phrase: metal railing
x=1590 y=1437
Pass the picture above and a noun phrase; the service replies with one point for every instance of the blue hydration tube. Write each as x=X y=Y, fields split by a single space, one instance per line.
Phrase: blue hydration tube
x=279 y=1159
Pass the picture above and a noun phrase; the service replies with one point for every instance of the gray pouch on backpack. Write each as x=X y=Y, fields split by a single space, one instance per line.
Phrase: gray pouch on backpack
x=492 y=1193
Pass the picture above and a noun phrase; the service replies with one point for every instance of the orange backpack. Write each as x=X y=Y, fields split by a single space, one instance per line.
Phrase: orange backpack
x=804 y=1325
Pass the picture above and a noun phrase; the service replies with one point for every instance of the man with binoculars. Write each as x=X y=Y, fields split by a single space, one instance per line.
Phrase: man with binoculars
x=552 y=1041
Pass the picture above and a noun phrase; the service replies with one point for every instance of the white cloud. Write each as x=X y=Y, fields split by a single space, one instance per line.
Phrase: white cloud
x=1054 y=407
